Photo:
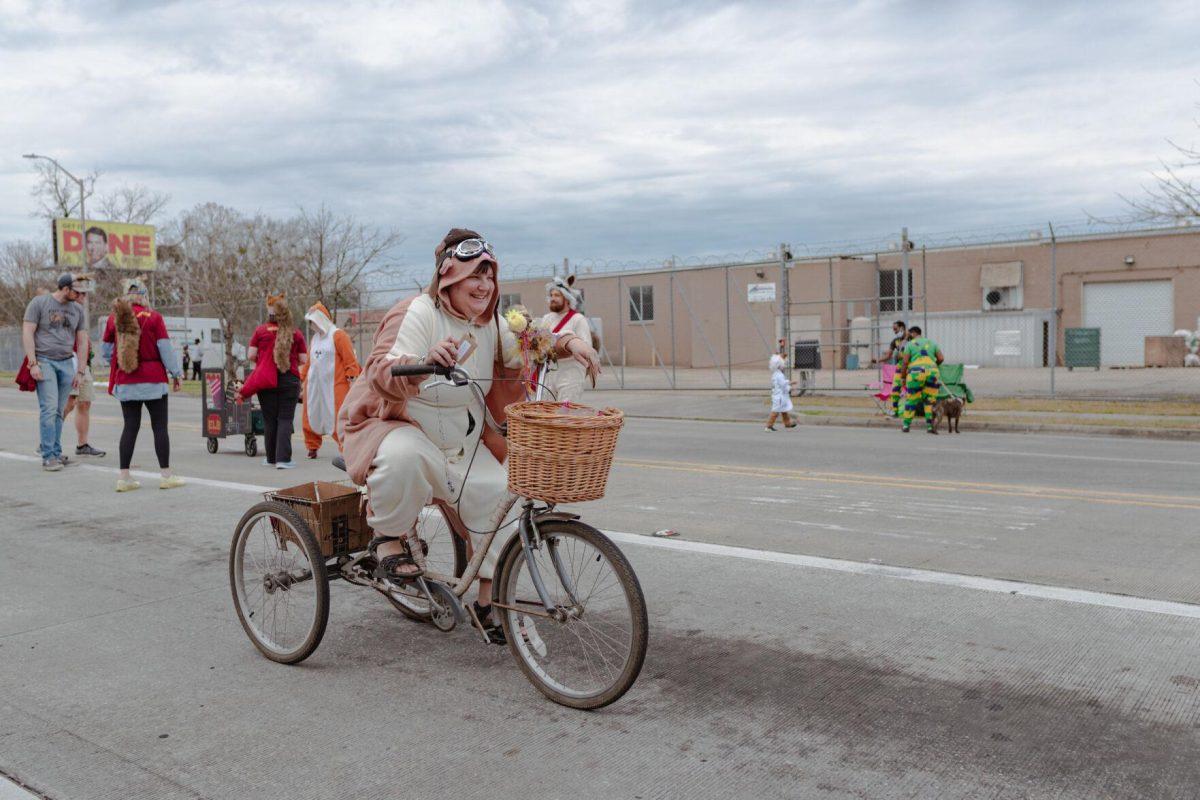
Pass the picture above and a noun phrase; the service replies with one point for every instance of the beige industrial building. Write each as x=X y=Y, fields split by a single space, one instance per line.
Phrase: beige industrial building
x=991 y=305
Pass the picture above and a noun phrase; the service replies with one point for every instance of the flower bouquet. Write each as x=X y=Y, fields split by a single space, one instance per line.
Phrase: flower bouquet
x=534 y=345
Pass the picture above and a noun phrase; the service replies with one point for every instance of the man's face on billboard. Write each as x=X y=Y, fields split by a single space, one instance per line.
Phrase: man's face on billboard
x=97 y=248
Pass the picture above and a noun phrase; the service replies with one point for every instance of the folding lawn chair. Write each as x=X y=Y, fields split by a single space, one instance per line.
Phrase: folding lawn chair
x=951 y=379
x=883 y=388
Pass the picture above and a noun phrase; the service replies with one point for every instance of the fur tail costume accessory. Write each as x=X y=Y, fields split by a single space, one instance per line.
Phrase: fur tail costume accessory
x=129 y=335
x=282 y=354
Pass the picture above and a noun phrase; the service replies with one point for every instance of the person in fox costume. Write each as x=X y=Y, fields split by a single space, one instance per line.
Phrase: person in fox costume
x=327 y=374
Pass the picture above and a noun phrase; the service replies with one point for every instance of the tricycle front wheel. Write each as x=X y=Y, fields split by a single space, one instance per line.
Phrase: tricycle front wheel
x=590 y=651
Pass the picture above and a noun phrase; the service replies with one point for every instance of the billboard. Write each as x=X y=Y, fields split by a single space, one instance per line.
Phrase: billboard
x=104 y=245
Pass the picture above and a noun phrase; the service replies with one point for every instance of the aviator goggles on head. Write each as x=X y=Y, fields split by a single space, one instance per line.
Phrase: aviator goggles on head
x=469 y=249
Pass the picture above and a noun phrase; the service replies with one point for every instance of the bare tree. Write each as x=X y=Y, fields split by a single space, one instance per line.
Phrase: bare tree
x=334 y=253
x=22 y=273
x=135 y=203
x=56 y=194
x=1175 y=195
x=232 y=263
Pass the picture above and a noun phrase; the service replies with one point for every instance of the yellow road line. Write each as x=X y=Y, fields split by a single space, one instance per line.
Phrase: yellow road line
x=891 y=481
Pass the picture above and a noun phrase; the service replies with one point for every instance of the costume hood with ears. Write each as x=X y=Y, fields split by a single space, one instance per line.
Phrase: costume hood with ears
x=776 y=362
x=450 y=271
x=319 y=315
x=567 y=287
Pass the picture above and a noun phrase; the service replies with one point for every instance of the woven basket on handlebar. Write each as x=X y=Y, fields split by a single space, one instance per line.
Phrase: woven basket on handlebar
x=558 y=456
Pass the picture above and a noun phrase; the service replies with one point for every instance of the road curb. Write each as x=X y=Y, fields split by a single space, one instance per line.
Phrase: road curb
x=1171 y=434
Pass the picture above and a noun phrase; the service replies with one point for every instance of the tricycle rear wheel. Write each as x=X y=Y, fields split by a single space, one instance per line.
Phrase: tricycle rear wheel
x=212 y=444
x=279 y=583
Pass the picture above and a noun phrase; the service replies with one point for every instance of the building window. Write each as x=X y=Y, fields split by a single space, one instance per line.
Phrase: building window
x=214 y=336
x=641 y=303
x=507 y=301
x=891 y=291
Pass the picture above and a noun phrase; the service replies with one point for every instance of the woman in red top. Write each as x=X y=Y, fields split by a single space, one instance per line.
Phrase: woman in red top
x=279 y=340
x=141 y=359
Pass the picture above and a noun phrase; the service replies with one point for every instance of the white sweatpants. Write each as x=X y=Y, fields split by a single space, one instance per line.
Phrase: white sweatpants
x=567 y=382
x=409 y=472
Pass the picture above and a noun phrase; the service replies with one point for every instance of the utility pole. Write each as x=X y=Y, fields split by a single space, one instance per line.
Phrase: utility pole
x=1053 y=344
x=785 y=307
x=905 y=302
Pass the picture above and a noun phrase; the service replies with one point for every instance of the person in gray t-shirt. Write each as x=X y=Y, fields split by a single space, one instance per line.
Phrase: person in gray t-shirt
x=55 y=327
x=57 y=323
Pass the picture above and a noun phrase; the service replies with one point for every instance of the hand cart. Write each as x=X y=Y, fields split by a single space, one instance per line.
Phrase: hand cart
x=221 y=415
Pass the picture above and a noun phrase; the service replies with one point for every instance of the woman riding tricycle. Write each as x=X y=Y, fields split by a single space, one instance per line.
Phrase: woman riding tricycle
x=556 y=590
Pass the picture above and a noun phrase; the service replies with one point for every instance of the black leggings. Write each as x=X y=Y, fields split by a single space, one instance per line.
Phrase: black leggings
x=279 y=417
x=132 y=411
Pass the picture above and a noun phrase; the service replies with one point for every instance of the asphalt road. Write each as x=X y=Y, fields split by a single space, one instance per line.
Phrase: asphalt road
x=847 y=613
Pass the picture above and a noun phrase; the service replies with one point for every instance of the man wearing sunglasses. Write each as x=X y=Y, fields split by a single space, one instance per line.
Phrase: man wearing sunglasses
x=412 y=441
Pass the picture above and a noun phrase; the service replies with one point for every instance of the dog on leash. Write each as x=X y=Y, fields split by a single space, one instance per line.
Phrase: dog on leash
x=949 y=408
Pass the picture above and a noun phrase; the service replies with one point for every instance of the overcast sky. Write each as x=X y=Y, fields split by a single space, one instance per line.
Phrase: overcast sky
x=605 y=130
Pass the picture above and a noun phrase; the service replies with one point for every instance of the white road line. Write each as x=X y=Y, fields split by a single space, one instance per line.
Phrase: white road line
x=239 y=487
x=972 y=582
x=14 y=791
x=996 y=585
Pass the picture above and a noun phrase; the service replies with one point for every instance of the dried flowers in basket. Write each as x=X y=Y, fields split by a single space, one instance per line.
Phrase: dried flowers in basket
x=534 y=344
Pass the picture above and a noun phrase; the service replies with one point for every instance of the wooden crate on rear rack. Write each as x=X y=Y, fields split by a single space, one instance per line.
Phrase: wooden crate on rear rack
x=336 y=513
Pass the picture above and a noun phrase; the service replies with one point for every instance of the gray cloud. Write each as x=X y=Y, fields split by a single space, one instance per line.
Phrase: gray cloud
x=605 y=129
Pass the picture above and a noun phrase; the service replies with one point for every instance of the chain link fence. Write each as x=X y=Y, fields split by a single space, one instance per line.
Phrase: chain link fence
x=1081 y=309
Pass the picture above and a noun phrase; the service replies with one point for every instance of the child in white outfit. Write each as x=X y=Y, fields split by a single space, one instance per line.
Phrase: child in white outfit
x=781 y=400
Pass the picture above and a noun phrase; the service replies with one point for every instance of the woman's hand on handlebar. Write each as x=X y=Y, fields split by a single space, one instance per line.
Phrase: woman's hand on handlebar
x=444 y=352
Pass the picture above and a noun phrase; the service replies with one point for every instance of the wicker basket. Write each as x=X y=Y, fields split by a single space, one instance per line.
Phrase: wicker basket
x=336 y=513
x=560 y=457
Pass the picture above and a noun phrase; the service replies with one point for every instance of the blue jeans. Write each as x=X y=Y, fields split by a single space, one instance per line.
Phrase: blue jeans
x=53 y=390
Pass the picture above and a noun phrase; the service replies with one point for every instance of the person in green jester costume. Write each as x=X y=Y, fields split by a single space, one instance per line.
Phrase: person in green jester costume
x=919 y=373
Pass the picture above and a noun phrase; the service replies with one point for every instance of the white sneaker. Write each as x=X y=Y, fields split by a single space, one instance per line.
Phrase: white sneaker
x=285 y=465
x=127 y=486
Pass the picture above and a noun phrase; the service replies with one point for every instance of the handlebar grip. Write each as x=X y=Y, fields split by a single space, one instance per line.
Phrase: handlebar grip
x=399 y=370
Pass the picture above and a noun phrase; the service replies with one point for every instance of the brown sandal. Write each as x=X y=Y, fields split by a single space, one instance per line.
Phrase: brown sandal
x=399 y=567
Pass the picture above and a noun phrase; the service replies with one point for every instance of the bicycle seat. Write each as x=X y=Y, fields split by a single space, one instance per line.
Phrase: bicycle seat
x=339 y=462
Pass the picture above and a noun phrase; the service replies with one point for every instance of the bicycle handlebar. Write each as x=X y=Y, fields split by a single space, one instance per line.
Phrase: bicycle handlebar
x=399 y=370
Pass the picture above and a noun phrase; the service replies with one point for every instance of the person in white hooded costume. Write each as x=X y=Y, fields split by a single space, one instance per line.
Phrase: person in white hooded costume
x=566 y=379
x=331 y=366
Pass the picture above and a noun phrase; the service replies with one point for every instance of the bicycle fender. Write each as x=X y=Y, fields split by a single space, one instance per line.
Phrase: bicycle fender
x=514 y=542
x=556 y=516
